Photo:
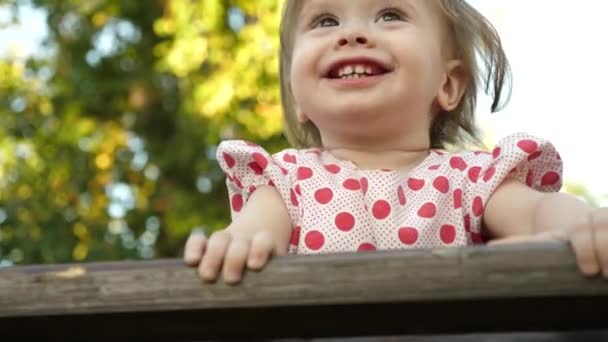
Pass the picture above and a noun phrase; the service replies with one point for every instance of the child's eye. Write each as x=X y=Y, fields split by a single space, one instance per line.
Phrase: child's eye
x=326 y=22
x=391 y=15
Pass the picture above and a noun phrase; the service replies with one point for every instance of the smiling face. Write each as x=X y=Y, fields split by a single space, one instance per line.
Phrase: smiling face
x=368 y=71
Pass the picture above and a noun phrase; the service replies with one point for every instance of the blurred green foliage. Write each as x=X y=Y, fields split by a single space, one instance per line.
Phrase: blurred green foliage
x=107 y=139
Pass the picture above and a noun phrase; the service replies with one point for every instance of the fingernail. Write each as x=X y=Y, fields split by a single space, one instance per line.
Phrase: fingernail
x=231 y=279
x=590 y=270
x=208 y=275
x=254 y=262
x=198 y=231
x=190 y=256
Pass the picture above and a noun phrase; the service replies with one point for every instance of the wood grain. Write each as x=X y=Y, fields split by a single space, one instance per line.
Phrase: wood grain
x=451 y=290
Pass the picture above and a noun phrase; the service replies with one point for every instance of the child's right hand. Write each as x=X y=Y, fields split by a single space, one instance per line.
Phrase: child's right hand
x=229 y=252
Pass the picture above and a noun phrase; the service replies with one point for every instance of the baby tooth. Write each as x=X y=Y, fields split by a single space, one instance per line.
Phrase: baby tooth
x=348 y=70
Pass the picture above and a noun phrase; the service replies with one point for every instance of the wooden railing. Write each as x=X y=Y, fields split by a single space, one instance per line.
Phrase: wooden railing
x=480 y=289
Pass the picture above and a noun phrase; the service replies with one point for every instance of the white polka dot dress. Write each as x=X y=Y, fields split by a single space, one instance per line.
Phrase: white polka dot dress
x=336 y=207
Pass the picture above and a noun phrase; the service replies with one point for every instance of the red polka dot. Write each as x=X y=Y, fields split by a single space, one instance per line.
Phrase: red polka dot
x=237 y=203
x=271 y=182
x=527 y=146
x=261 y=160
x=558 y=156
x=229 y=160
x=289 y=158
x=295 y=236
x=467 y=222
x=352 y=184
x=476 y=238
x=237 y=182
x=304 y=173
x=478 y=206
x=448 y=234
x=335 y=169
x=364 y=185
x=496 y=152
x=408 y=235
x=487 y=176
x=298 y=190
x=550 y=178
x=474 y=174
x=415 y=184
x=249 y=143
x=381 y=209
x=442 y=184
x=428 y=210
x=535 y=155
x=284 y=171
x=458 y=163
x=314 y=240
x=255 y=167
x=345 y=222
x=457 y=198
x=294 y=198
x=324 y=196
x=366 y=247
x=434 y=167
x=530 y=178
x=401 y=195
x=252 y=189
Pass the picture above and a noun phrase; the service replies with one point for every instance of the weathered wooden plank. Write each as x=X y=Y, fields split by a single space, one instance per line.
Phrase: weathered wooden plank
x=450 y=290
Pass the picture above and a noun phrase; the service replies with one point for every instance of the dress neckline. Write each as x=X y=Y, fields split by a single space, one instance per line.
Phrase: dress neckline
x=432 y=153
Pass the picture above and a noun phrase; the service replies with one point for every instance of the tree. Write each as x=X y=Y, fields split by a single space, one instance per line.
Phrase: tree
x=107 y=140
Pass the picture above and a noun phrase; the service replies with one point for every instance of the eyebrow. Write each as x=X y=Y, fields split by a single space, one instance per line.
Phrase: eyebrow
x=311 y=7
x=412 y=9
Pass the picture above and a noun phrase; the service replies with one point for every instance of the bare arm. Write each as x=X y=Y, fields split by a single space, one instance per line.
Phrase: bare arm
x=263 y=228
x=265 y=212
x=517 y=213
x=516 y=209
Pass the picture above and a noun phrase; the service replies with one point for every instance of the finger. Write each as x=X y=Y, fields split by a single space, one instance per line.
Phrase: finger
x=520 y=239
x=235 y=259
x=584 y=248
x=261 y=249
x=214 y=256
x=600 y=234
x=195 y=248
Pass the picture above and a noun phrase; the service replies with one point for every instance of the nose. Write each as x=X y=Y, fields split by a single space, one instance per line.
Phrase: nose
x=353 y=37
x=354 y=40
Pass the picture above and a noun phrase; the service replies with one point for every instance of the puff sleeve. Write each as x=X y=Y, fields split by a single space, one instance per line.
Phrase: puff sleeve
x=248 y=166
x=532 y=160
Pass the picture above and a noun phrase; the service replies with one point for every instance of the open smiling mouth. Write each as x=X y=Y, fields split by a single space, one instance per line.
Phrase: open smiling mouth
x=347 y=70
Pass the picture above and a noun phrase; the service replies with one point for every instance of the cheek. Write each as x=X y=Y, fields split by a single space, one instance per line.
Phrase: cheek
x=427 y=71
x=299 y=72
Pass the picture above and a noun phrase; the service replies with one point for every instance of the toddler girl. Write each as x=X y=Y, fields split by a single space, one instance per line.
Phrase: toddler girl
x=374 y=92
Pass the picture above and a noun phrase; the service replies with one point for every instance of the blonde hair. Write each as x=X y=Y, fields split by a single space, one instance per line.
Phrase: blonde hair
x=472 y=36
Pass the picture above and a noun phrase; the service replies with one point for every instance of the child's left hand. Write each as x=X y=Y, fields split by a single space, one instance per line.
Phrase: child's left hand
x=588 y=237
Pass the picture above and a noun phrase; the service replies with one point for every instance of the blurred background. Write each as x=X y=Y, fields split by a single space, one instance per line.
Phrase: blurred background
x=111 y=110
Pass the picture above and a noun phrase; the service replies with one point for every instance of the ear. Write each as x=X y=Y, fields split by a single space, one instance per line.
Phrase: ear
x=454 y=85
x=302 y=117
x=291 y=101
